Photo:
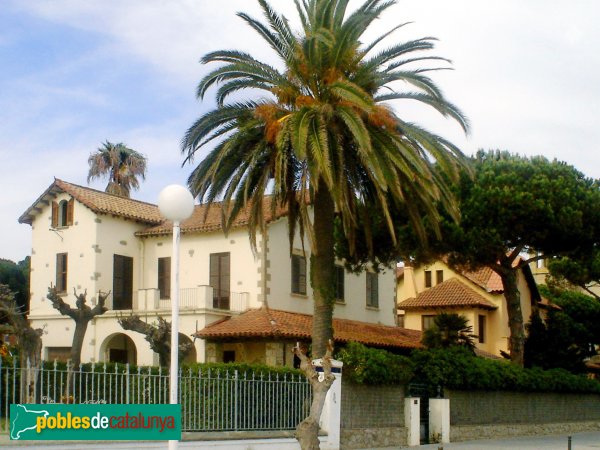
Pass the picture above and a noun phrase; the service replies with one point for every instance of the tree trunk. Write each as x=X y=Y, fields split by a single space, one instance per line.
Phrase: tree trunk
x=307 y=431
x=78 y=337
x=322 y=270
x=515 y=315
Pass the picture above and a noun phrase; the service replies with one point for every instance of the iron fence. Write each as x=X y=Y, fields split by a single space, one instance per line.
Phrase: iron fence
x=211 y=400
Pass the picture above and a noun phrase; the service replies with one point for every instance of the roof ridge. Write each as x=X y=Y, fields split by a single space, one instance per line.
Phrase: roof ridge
x=105 y=193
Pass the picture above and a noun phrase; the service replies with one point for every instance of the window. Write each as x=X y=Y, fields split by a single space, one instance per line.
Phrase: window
x=339 y=283
x=372 y=290
x=61 y=272
x=298 y=274
x=60 y=354
x=164 y=277
x=229 y=356
x=62 y=213
x=439 y=276
x=428 y=278
x=220 y=279
x=122 y=282
x=481 y=329
x=427 y=322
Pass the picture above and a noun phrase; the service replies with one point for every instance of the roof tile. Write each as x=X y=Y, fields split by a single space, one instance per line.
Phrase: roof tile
x=271 y=323
x=450 y=293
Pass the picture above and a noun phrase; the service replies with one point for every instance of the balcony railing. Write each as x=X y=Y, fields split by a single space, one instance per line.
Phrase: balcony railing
x=201 y=297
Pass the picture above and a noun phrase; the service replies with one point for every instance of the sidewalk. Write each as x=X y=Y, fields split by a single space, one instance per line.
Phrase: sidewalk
x=580 y=441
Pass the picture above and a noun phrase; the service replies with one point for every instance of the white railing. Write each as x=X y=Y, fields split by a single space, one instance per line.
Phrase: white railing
x=201 y=297
x=211 y=400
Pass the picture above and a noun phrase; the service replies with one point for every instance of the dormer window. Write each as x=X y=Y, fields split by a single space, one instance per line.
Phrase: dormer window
x=62 y=213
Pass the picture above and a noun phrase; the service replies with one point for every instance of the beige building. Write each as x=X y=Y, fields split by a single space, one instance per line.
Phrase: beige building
x=424 y=292
x=90 y=240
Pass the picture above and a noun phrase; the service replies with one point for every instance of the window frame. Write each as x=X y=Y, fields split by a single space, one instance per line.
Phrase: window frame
x=439 y=276
x=372 y=291
x=62 y=269
x=164 y=277
x=427 y=318
x=220 y=280
x=298 y=274
x=340 y=283
x=123 y=294
x=428 y=279
x=481 y=328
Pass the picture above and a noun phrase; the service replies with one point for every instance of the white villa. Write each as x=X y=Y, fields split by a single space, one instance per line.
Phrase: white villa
x=90 y=240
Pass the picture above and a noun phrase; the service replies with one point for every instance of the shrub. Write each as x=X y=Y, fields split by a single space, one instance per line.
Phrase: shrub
x=366 y=365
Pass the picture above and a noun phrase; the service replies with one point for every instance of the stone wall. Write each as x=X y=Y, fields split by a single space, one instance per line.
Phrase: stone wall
x=372 y=416
x=481 y=414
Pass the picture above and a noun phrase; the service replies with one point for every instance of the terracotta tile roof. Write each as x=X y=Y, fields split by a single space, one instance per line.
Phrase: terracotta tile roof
x=487 y=279
x=271 y=323
x=450 y=294
x=202 y=222
x=99 y=202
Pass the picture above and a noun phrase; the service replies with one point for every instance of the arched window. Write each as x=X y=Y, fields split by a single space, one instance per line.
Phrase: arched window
x=62 y=213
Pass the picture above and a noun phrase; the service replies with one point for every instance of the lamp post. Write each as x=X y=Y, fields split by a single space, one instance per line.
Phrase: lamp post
x=176 y=204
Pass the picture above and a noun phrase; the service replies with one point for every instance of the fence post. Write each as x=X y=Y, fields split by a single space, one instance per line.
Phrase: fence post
x=439 y=420
x=127 y=386
x=235 y=399
x=331 y=416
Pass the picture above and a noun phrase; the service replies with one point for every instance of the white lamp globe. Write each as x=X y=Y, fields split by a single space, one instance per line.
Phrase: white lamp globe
x=175 y=203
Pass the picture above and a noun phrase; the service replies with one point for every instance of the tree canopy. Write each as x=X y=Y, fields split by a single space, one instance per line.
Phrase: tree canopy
x=16 y=277
x=321 y=133
x=122 y=165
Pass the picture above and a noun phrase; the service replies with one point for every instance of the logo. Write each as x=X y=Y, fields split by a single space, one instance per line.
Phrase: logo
x=95 y=422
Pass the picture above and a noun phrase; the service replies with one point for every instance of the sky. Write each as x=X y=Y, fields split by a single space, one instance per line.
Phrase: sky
x=74 y=74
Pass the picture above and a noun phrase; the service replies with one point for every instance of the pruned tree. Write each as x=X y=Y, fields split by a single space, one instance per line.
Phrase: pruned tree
x=15 y=322
x=81 y=314
x=158 y=336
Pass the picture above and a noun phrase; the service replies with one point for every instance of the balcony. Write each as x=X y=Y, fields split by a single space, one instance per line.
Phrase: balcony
x=201 y=297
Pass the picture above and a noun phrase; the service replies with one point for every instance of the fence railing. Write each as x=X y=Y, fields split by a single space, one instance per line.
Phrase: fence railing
x=211 y=400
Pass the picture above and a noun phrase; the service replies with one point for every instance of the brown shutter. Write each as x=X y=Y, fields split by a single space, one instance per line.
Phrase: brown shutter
x=54 y=214
x=70 y=206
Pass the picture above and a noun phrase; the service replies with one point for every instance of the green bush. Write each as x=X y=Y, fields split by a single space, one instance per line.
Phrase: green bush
x=364 y=365
x=456 y=368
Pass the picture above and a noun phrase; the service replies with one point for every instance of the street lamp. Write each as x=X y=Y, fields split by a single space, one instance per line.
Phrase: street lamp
x=176 y=204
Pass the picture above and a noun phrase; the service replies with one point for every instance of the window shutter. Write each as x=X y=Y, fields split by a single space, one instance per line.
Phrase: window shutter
x=54 y=214
x=164 y=277
x=302 y=279
x=70 y=206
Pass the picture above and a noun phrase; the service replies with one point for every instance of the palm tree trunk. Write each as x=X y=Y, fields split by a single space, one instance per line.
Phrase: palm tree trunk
x=515 y=315
x=322 y=269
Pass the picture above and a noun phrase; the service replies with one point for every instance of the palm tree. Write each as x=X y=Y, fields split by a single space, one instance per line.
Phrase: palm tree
x=122 y=165
x=449 y=330
x=323 y=137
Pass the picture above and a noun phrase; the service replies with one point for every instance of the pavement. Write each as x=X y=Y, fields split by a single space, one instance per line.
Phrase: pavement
x=579 y=441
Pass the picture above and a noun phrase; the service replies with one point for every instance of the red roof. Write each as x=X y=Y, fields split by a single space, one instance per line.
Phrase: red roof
x=272 y=323
x=487 y=279
x=97 y=201
x=451 y=293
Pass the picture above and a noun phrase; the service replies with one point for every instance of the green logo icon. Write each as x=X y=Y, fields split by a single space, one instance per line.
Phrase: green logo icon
x=95 y=422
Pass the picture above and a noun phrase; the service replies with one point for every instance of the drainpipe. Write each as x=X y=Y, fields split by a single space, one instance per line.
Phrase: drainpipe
x=263 y=274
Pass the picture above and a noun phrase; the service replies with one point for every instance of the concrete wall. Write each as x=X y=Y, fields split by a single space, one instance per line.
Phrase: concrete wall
x=372 y=416
x=479 y=414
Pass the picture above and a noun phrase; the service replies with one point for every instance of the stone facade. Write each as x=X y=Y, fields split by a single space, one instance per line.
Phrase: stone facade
x=372 y=416
x=480 y=414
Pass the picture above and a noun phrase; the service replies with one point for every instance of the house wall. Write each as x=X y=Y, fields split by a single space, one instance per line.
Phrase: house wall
x=355 y=288
x=497 y=333
x=93 y=240
x=482 y=414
